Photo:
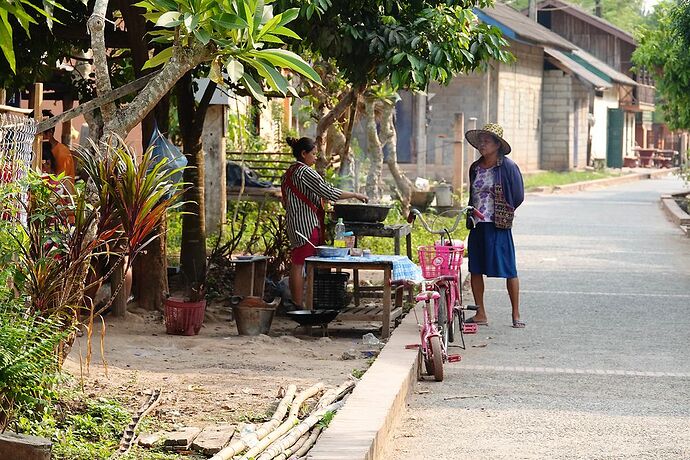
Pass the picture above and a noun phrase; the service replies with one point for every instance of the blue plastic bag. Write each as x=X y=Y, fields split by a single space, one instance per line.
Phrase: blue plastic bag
x=163 y=148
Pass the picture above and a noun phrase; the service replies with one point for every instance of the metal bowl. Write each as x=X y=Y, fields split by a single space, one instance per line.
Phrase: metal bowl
x=313 y=317
x=330 y=251
x=361 y=212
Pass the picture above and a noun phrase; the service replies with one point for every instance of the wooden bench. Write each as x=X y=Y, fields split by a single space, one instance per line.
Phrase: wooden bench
x=270 y=166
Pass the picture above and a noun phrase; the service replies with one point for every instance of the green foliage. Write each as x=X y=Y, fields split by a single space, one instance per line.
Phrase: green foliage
x=326 y=419
x=663 y=51
x=245 y=35
x=408 y=43
x=80 y=428
x=22 y=13
x=29 y=359
x=553 y=178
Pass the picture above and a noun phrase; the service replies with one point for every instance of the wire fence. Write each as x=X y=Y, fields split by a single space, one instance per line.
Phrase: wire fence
x=17 y=134
x=16 y=138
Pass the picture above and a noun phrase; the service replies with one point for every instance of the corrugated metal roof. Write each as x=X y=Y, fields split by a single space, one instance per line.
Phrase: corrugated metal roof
x=589 y=60
x=578 y=69
x=519 y=27
x=586 y=16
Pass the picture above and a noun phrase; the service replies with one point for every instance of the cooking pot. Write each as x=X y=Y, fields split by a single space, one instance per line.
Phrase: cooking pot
x=361 y=212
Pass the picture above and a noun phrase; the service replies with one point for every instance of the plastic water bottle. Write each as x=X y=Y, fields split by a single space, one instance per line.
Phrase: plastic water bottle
x=339 y=241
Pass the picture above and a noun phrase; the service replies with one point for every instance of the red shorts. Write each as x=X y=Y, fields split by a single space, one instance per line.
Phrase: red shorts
x=299 y=254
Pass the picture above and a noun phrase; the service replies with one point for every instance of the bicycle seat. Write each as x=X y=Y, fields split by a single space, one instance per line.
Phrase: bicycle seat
x=427 y=295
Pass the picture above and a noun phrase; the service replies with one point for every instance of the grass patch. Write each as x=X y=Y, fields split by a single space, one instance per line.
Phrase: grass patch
x=553 y=178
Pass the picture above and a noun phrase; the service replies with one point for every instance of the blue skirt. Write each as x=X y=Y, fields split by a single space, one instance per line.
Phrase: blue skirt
x=491 y=251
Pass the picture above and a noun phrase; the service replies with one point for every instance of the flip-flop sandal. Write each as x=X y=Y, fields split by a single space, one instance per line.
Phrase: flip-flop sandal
x=517 y=324
x=473 y=321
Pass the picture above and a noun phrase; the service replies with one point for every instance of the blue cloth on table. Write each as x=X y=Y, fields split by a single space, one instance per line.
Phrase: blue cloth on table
x=403 y=268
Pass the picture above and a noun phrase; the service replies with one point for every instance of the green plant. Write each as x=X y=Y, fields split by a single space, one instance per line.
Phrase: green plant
x=80 y=429
x=29 y=359
x=326 y=419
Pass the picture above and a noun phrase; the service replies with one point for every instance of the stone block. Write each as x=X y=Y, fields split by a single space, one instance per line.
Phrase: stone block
x=181 y=438
x=212 y=439
x=149 y=440
x=15 y=446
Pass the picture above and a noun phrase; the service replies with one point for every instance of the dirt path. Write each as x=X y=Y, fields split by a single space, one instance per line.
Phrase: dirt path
x=216 y=376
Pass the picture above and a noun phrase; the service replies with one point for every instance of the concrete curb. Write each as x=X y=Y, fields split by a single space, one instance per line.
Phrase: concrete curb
x=675 y=213
x=636 y=176
x=362 y=426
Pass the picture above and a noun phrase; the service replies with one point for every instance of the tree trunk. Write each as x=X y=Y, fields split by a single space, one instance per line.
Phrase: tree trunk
x=375 y=153
x=193 y=250
x=193 y=246
x=347 y=159
x=389 y=140
x=150 y=269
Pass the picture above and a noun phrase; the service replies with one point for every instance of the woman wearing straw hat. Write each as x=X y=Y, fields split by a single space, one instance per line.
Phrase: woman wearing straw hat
x=496 y=190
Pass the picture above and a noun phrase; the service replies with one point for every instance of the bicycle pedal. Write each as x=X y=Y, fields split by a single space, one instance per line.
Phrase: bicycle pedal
x=411 y=346
x=469 y=328
x=471 y=307
x=454 y=358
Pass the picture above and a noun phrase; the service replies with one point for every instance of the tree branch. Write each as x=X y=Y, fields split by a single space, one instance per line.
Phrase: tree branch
x=96 y=25
x=183 y=61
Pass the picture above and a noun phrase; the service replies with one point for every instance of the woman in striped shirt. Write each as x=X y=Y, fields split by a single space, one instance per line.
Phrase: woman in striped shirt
x=303 y=189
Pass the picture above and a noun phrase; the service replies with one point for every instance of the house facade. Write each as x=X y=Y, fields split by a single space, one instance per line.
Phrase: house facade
x=630 y=122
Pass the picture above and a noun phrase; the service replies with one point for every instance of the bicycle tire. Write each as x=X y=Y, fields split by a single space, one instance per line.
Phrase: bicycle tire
x=442 y=320
x=437 y=358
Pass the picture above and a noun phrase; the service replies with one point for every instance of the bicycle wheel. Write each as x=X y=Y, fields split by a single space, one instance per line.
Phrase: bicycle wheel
x=428 y=361
x=437 y=358
x=442 y=319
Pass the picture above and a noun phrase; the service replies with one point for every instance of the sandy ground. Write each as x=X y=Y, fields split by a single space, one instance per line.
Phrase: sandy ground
x=216 y=376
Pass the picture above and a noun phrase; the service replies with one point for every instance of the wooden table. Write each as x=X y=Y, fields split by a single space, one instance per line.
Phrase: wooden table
x=395 y=231
x=382 y=313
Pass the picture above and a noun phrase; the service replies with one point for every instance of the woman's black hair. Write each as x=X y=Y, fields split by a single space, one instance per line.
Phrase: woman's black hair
x=303 y=144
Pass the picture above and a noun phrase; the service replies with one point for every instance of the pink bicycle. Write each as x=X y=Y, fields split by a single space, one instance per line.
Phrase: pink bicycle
x=441 y=324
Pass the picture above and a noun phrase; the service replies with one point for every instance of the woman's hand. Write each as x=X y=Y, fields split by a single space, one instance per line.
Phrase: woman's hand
x=361 y=197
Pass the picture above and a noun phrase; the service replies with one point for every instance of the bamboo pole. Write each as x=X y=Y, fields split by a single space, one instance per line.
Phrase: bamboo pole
x=311 y=440
x=294 y=448
x=298 y=431
x=285 y=442
x=36 y=103
x=292 y=420
x=239 y=445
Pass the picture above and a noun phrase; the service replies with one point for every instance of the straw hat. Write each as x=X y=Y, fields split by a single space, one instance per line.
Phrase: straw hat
x=495 y=130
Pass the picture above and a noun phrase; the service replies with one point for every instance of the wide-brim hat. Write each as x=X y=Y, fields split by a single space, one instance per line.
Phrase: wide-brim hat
x=493 y=129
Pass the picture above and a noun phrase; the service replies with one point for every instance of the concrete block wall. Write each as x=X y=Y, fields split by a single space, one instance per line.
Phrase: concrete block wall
x=582 y=95
x=557 y=121
x=518 y=103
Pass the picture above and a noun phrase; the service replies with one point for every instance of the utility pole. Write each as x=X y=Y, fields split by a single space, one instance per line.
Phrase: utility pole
x=532 y=12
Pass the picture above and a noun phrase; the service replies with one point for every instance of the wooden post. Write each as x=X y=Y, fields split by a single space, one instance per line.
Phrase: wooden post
x=459 y=154
x=35 y=103
x=2 y=96
x=287 y=114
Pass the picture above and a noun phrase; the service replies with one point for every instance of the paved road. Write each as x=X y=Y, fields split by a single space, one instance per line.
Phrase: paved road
x=602 y=370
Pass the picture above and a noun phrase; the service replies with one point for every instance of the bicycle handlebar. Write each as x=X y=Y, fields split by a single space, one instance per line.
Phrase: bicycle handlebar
x=414 y=213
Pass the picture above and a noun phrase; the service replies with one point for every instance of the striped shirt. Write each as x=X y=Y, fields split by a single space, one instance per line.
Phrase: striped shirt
x=299 y=216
